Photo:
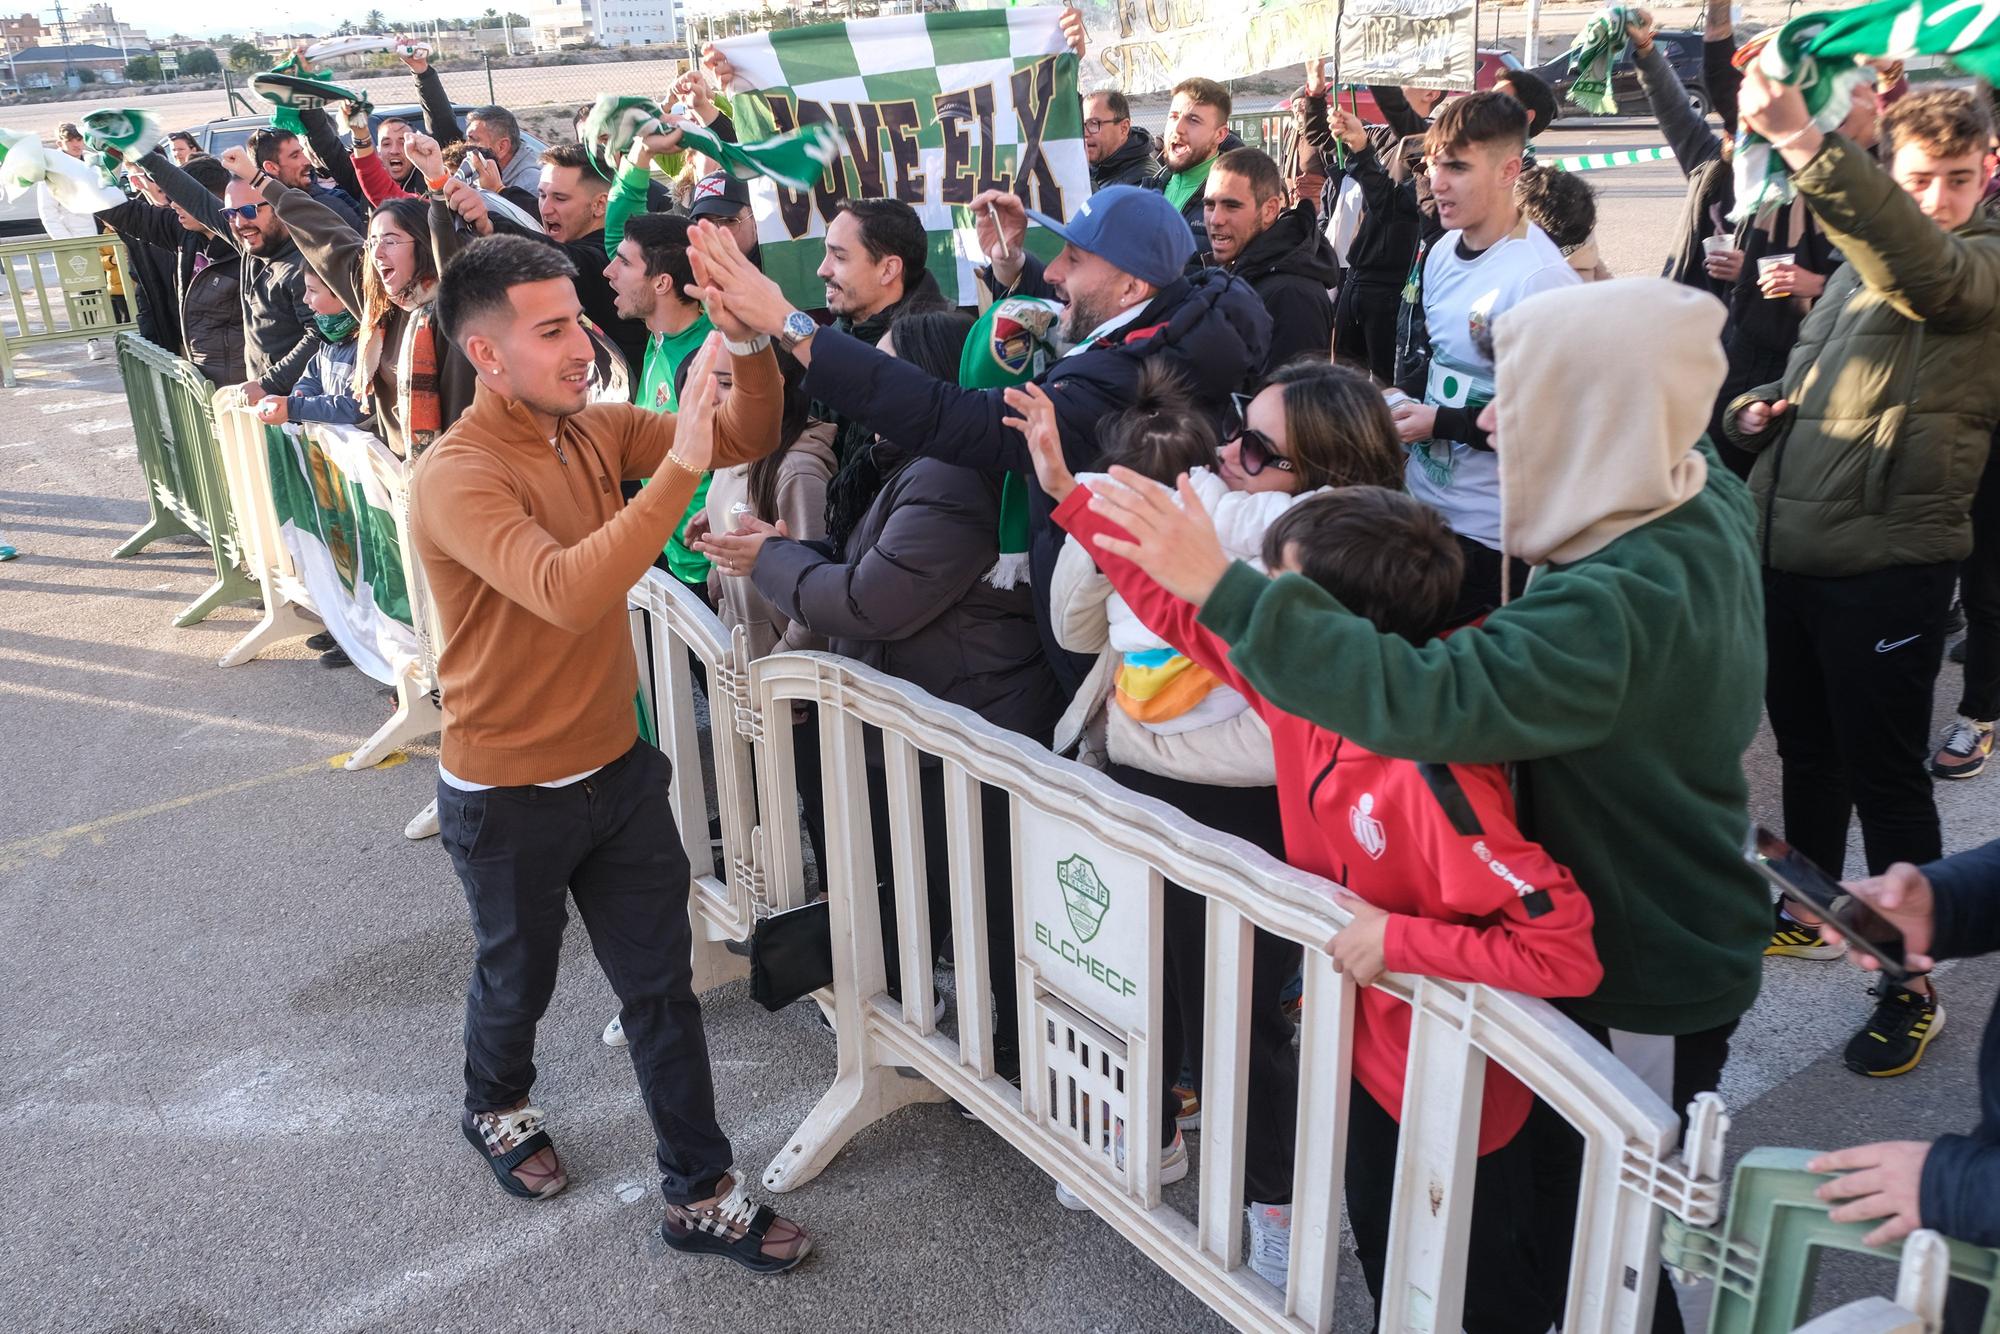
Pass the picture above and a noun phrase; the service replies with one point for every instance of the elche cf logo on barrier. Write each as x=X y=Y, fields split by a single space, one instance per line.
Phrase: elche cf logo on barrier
x=1085 y=895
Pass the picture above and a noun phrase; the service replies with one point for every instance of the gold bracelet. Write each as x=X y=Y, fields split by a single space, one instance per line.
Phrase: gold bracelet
x=676 y=462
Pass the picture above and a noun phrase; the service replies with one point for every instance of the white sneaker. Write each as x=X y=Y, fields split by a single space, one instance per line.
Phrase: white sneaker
x=614 y=1032
x=425 y=825
x=94 y=349
x=1271 y=1242
x=1173 y=1167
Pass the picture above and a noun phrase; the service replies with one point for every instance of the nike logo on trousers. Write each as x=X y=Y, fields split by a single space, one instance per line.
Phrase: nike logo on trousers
x=1882 y=646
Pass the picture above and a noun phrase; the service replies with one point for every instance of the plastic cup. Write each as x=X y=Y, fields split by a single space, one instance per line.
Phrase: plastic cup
x=1715 y=245
x=1765 y=264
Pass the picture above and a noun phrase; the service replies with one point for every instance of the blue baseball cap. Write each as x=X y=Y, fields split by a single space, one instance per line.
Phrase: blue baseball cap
x=1135 y=230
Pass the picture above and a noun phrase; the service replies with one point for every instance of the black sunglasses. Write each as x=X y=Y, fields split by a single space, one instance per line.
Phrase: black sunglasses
x=247 y=212
x=1256 y=450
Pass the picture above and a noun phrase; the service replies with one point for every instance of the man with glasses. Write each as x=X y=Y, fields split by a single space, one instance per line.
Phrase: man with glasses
x=1120 y=153
x=279 y=336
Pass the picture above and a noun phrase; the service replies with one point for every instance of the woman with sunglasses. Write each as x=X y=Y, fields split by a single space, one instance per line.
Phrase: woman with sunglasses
x=1159 y=728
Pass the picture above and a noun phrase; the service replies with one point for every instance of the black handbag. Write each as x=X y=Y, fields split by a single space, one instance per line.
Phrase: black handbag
x=791 y=955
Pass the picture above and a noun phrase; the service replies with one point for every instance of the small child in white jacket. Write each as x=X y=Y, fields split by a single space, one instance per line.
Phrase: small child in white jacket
x=1163 y=436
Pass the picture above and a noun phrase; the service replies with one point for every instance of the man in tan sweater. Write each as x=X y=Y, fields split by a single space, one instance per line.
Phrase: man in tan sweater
x=545 y=791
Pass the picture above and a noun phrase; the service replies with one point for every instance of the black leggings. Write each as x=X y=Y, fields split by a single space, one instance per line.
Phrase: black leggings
x=1273 y=1107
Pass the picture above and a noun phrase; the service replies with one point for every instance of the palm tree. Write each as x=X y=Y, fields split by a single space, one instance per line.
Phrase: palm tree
x=346 y=27
x=375 y=22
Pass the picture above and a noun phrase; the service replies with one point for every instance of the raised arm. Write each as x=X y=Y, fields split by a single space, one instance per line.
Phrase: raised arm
x=1397 y=111
x=189 y=193
x=334 y=249
x=746 y=427
x=1694 y=144
x=440 y=121
x=1543 y=676
x=332 y=153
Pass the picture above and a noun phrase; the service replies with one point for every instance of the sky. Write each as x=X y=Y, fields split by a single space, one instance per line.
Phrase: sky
x=158 y=18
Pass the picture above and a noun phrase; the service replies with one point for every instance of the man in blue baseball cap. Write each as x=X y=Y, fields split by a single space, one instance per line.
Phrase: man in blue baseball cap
x=1127 y=300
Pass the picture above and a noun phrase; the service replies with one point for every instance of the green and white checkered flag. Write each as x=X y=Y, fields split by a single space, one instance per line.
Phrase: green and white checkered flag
x=794 y=160
x=1817 y=53
x=1591 y=56
x=932 y=109
x=133 y=132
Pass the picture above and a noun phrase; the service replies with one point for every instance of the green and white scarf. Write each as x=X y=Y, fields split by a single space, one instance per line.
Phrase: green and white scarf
x=1818 y=54
x=1011 y=344
x=796 y=160
x=1591 y=56
x=133 y=132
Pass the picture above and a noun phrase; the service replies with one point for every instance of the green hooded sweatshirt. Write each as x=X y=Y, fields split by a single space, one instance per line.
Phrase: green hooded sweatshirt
x=1626 y=683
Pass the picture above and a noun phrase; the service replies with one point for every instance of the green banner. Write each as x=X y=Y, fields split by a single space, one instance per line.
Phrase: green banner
x=932 y=109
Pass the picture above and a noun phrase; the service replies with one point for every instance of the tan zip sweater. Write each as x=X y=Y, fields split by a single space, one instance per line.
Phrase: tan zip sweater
x=529 y=548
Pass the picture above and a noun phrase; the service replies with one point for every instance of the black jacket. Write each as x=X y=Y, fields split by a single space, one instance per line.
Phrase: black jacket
x=1210 y=327
x=1960 y=1195
x=209 y=309
x=1385 y=243
x=1130 y=165
x=1290 y=265
x=1711 y=188
x=909 y=595
x=279 y=337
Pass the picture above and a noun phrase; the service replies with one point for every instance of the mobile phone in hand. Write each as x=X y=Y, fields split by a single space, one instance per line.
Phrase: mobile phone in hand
x=1805 y=884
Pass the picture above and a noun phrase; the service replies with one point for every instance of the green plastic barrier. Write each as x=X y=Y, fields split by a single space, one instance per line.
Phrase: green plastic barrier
x=173 y=423
x=1765 y=1256
x=61 y=293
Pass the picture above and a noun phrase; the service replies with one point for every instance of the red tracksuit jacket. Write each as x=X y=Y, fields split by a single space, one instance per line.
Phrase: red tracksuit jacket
x=1435 y=844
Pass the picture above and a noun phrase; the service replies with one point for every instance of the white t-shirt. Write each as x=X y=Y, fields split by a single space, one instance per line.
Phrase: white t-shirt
x=1461 y=482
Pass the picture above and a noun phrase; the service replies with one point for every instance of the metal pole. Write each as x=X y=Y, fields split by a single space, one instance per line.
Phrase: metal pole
x=486 y=58
x=1530 y=51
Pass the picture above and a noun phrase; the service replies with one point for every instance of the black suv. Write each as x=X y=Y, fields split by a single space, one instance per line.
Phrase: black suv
x=1683 y=52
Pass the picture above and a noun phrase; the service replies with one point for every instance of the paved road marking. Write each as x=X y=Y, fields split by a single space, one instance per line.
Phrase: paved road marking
x=54 y=844
x=168 y=711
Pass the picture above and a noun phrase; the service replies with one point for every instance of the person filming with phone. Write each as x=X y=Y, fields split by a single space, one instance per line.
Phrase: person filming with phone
x=1946 y=909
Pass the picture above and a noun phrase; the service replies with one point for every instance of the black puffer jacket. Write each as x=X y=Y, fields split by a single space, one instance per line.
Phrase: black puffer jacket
x=1210 y=327
x=909 y=595
x=1290 y=265
x=1130 y=165
x=209 y=308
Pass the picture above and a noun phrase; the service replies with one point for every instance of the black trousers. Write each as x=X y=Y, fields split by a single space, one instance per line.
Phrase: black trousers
x=1853 y=665
x=1364 y=325
x=1979 y=591
x=610 y=843
x=1557 y=1150
x=1479 y=585
x=1504 y=1291
x=997 y=851
x=1272 y=1109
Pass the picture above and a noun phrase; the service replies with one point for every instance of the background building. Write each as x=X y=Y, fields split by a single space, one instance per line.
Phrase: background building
x=564 y=23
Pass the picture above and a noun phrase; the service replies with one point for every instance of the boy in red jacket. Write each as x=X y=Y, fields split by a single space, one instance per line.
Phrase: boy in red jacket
x=1440 y=879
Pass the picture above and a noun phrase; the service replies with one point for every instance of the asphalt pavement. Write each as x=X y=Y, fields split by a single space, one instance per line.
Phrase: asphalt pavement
x=231 y=991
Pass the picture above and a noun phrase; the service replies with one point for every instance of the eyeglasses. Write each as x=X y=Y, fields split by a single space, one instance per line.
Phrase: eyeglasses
x=247 y=212
x=1255 y=450
x=1094 y=124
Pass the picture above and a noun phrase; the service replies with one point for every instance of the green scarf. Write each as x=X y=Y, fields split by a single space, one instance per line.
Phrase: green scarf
x=1816 y=53
x=796 y=160
x=1011 y=344
x=133 y=132
x=1593 y=53
x=1185 y=185
x=336 y=328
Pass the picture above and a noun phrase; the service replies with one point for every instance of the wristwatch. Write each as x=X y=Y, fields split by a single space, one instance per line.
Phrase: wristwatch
x=798 y=327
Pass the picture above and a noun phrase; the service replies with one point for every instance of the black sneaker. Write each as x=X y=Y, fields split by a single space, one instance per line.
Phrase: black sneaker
x=1957 y=652
x=320 y=642
x=335 y=657
x=1895 y=1036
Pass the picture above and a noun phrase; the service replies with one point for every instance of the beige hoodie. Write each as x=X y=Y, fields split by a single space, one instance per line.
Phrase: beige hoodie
x=1602 y=391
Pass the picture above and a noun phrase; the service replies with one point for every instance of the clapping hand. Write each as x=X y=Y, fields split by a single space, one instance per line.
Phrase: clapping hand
x=694 y=424
x=741 y=301
x=1037 y=424
x=735 y=554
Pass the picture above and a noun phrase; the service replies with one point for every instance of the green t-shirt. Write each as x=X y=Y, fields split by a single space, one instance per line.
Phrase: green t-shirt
x=1185 y=185
x=664 y=355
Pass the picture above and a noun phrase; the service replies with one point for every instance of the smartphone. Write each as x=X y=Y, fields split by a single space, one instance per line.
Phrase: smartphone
x=1805 y=884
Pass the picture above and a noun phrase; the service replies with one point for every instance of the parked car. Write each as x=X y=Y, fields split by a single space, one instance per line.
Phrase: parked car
x=1486 y=69
x=1683 y=50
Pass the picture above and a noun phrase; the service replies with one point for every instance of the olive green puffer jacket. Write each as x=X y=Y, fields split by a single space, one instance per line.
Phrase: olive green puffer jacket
x=1894 y=385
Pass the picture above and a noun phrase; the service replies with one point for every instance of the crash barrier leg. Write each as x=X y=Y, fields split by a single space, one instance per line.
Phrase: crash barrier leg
x=324 y=514
x=82 y=307
x=1090 y=860
x=732 y=891
x=186 y=487
x=1765 y=1255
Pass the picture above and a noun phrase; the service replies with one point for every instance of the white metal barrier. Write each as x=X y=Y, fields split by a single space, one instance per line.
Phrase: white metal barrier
x=732 y=887
x=287 y=589
x=1089 y=862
